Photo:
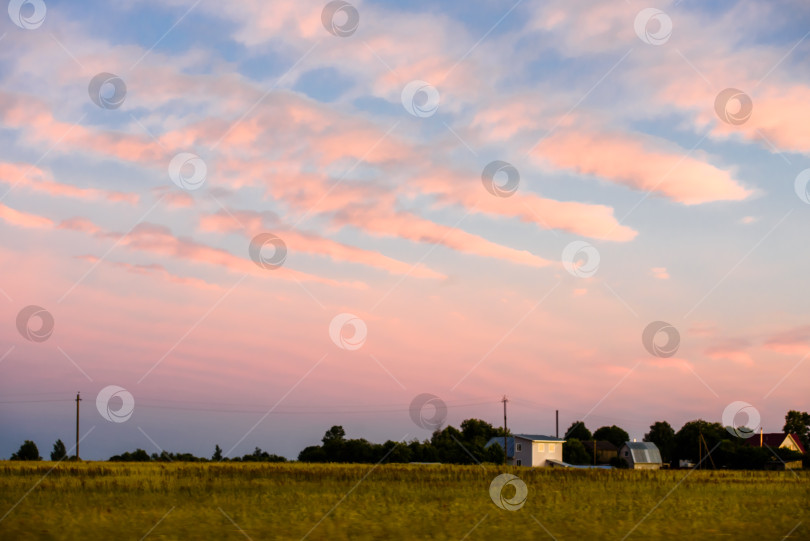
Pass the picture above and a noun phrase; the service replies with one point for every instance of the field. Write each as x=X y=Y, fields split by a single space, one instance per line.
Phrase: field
x=292 y=501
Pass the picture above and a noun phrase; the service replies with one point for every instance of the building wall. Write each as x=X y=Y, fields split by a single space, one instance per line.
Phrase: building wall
x=625 y=453
x=523 y=452
x=789 y=444
x=646 y=466
x=535 y=453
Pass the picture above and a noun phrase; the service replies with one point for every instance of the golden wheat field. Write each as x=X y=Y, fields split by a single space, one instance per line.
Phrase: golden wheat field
x=174 y=501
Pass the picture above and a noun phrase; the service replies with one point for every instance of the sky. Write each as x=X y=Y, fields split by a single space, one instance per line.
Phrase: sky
x=243 y=223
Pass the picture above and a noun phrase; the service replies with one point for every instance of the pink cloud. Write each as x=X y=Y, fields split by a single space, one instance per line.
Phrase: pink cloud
x=255 y=222
x=154 y=269
x=23 y=219
x=158 y=240
x=730 y=350
x=660 y=273
x=794 y=341
x=640 y=163
x=30 y=177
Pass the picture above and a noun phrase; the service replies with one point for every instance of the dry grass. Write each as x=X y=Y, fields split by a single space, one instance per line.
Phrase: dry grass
x=289 y=501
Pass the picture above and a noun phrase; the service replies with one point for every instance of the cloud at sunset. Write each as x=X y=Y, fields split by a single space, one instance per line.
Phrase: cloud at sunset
x=311 y=185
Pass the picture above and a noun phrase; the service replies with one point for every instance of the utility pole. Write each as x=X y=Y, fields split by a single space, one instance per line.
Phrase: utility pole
x=505 y=439
x=557 y=416
x=78 y=399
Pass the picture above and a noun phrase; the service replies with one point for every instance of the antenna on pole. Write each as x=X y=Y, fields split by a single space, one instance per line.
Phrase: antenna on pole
x=505 y=439
x=78 y=399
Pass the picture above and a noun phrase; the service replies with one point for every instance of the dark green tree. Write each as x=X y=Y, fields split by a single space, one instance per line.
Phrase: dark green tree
x=59 y=452
x=574 y=452
x=613 y=434
x=28 y=451
x=662 y=435
x=313 y=453
x=334 y=434
x=688 y=443
x=139 y=455
x=477 y=432
x=578 y=431
x=217 y=454
x=494 y=454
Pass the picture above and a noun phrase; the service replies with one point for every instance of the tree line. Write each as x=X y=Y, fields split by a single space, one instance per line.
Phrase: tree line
x=695 y=441
x=466 y=445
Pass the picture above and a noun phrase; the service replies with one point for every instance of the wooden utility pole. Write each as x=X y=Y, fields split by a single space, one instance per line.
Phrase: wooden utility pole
x=505 y=439
x=557 y=418
x=78 y=399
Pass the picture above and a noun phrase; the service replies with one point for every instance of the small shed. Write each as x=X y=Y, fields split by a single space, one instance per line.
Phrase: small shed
x=641 y=455
x=603 y=449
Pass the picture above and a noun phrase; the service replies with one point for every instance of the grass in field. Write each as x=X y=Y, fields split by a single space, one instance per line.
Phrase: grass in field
x=290 y=501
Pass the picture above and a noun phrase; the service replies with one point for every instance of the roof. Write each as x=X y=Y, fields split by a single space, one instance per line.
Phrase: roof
x=538 y=437
x=510 y=445
x=562 y=464
x=601 y=445
x=774 y=439
x=644 y=452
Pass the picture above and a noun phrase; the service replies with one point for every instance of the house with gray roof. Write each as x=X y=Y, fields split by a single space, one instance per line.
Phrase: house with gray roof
x=641 y=455
x=530 y=449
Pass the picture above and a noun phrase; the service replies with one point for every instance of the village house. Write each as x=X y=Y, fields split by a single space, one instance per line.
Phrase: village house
x=777 y=440
x=530 y=449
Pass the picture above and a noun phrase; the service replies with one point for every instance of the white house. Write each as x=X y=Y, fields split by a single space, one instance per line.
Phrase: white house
x=641 y=455
x=530 y=449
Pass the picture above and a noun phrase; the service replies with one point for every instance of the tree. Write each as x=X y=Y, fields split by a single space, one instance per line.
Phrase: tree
x=613 y=434
x=313 y=453
x=477 y=432
x=688 y=444
x=333 y=435
x=59 y=452
x=217 y=454
x=574 y=452
x=494 y=454
x=27 y=451
x=798 y=422
x=662 y=435
x=139 y=455
x=578 y=431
